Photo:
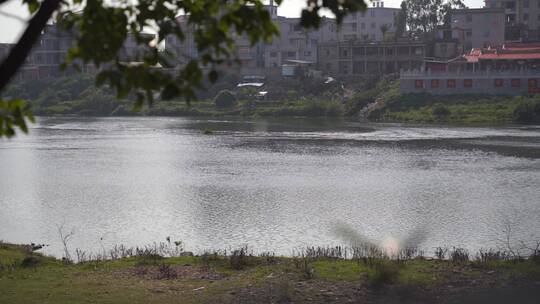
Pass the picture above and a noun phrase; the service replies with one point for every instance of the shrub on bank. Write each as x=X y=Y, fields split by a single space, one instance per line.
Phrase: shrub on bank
x=527 y=111
x=225 y=98
x=440 y=111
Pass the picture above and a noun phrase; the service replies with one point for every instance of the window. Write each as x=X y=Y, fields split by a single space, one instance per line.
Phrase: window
x=467 y=83
x=314 y=41
x=307 y=53
x=516 y=83
x=371 y=51
x=419 y=84
x=291 y=54
x=353 y=27
x=434 y=83
x=273 y=54
x=468 y=18
x=532 y=83
x=451 y=83
x=372 y=13
x=443 y=48
x=344 y=68
x=525 y=17
x=468 y=33
x=358 y=51
x=499 y=83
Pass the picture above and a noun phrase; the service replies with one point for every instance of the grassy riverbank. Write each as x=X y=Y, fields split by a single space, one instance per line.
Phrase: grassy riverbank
x=465 y=109
x=375 y=100
x=320 y=276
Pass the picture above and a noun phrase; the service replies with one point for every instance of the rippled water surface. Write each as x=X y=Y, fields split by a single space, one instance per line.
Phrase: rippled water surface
x=275 y=185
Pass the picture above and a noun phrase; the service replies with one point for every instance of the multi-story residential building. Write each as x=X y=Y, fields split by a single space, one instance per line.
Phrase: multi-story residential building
x=360 y=58
x=370 y=25
x=297 y=43
x=480 y=27
x=293 y=43
x=52 y=47
x=447 y=43
x=185 y=50
x=522 y=18
x=50 y=51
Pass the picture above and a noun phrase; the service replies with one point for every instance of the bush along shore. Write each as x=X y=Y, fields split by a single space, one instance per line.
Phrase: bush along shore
x=373 y=99
x=166 y=273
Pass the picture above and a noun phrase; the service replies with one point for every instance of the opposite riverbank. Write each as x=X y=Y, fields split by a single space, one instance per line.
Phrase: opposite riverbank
x=318 y=275
x=375 y=100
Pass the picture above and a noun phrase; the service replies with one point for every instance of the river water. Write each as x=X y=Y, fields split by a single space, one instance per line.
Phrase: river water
x=275 y=185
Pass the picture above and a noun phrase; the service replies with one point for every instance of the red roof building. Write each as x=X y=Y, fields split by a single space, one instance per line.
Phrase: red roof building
x=508 y=57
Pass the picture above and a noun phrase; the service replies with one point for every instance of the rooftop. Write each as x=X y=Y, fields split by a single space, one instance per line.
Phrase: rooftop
x=511 y=51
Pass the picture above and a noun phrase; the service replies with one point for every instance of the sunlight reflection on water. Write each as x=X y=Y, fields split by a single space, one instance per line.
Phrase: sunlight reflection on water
x=274 y=184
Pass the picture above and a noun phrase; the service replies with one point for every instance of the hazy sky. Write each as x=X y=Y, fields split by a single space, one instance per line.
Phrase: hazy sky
x=11 y=12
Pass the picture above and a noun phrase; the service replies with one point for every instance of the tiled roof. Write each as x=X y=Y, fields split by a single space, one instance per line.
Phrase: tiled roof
x=513 y=51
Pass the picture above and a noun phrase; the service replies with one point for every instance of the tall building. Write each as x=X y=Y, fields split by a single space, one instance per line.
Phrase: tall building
x=479 y=27
x=522 y=18
x=297 y=43
x=370 y=24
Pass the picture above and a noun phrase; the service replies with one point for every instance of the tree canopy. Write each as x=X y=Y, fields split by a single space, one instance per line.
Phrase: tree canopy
x=425 y=15
x=101 y=27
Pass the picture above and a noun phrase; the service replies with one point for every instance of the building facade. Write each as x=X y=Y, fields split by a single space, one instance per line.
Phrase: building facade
x=370 y=25
x=51 y=50
x=522 y=18
x=512 y=69
x=360 y=58
x=480 y=27
x=297 y=43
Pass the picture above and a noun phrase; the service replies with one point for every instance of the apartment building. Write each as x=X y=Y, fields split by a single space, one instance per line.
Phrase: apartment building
x=52 y=47
x=297 y=43
x=370 y=25
x=479 y=27
x=182 y=51
x=522 y=18
x=362 y=58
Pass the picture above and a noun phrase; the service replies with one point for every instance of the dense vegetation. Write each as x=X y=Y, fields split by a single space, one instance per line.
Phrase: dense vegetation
x=458 y=109
x=164 y=273
x=377 y=100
